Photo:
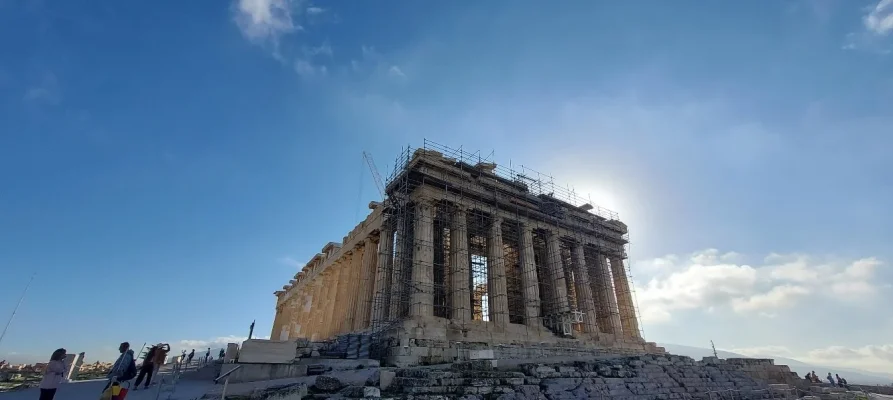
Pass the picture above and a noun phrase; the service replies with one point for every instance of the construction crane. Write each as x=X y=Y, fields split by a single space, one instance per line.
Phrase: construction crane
x=375 y=175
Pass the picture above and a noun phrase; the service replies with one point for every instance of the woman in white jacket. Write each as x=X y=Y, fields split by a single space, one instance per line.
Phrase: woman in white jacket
x=53 y=375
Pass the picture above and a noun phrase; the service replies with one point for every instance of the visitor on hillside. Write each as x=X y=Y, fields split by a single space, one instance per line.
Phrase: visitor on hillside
x=124 y=368
x=830 y=379
x=221 y=354
x=160 y=357
x=208 y=355
x=814 y=378
x=54 y=375
x=841 y=382
x=189 y=357
x=147 y=368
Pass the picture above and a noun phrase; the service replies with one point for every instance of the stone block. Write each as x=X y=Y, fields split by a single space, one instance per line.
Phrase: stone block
x=328 y=384
x=486 y=354
x=267 y=351
x=386 y=377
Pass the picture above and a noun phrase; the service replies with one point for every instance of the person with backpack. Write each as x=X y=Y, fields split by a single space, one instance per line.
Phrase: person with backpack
x=124 y=368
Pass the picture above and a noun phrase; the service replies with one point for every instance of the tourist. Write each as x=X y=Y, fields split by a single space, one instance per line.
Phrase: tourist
x=831 y=379
x=841 y=382
x=160 y=357
x=189 y=357
x=54 y=374
x=124 y=368
x=147 y=368
x=208 y=355
x=221 y=354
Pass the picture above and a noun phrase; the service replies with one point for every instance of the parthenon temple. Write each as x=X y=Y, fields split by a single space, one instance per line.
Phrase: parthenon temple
x=463 y=253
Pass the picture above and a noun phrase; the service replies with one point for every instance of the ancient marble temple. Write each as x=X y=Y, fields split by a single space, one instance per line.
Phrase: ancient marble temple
x=465 y=254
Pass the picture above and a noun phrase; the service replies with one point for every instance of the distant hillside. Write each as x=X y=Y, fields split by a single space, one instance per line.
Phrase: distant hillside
x=855 y=376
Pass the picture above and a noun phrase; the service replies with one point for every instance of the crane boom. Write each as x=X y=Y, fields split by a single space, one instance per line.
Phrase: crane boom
x=375 y=175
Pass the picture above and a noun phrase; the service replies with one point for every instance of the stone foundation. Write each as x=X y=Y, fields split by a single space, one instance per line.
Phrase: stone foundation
x=426 y=341
x=637 y=377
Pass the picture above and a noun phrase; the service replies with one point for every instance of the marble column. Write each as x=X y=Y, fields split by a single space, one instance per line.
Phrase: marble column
x=556 y=272
x=529 y=280
x=319 y=304
x=329 y=297
x=604 y=293
x=364 y=300
x=459 y=260
x=584 y=291
x=341 y=295
x=625 y=304
x=496 y=285
x=353 y=287
x=277 y=321
x=422 y=295
x=382 y=280
x=397 y=303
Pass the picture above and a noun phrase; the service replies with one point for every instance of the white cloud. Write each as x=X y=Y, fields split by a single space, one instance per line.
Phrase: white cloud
x=395 y=71
x=763 y=351
x=324 y=49
x=263 y=21
x=306 y=69
x=880 y=19
x=213 y=343
x=878 y=357
x=315 y=10
x=778 y=297
x=291 y=262
x=709 y=280
x=46 y=92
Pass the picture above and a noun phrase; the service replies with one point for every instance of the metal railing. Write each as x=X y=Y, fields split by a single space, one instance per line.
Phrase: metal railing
x=225 y=382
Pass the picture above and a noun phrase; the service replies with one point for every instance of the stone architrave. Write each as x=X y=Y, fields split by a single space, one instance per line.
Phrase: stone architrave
x=422 y=295
x=459 y=260
x=625 y=304
x=496 y=285
x=529 y=279
x=584 y=291
x=556 y=272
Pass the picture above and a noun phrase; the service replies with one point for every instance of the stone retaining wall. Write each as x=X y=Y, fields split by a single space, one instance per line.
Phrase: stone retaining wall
x=643 y=377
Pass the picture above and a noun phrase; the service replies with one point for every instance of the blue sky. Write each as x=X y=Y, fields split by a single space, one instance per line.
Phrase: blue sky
x=166 y=166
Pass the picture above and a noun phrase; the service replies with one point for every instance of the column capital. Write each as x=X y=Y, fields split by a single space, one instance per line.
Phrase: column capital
x=426 y=202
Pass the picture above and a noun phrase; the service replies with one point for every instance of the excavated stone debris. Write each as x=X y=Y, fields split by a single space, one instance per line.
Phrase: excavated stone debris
x=631 y=378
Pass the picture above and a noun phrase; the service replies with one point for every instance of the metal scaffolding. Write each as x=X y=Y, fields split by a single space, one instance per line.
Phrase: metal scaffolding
x=509 y=240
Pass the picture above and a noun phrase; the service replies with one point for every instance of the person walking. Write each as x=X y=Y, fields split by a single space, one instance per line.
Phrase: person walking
x=54 y=375
x=207 y=355
x=160 y=357
x=147 y=368
x=124 y=368
x=189 y=357
x=221 y=354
